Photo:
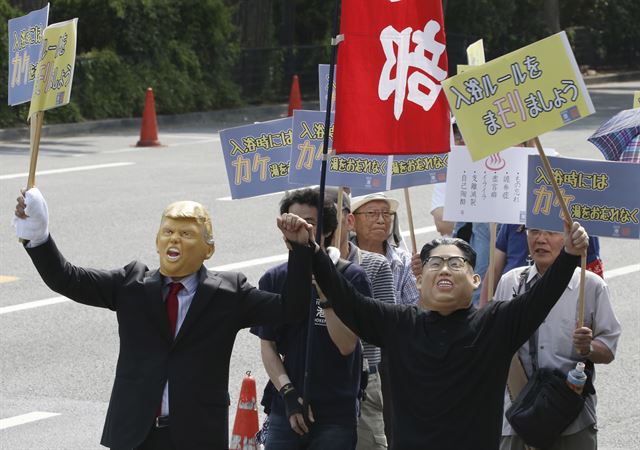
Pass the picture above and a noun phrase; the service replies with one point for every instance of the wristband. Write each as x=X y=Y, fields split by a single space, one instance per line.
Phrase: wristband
x=290 y=397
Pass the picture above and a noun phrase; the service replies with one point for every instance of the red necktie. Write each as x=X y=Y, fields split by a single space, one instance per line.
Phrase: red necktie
x=172 y=313
x=172 y=306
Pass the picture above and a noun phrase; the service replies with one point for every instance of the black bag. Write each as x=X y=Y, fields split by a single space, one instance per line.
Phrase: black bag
x=545 y=407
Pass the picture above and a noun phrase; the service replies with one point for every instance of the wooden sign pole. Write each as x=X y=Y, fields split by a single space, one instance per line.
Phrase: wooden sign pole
x=35 y=129
x=567 y=218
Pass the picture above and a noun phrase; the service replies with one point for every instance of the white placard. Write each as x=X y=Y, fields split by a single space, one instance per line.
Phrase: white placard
x=492 y=189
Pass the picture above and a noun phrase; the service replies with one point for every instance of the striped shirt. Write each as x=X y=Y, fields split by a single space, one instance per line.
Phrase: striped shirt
x=379 y=272
x=406 y=287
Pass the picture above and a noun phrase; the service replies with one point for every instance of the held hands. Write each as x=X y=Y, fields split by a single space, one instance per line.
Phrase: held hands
x=31 y=217
x=576 y=239
x=582 y=338
x=295 y=229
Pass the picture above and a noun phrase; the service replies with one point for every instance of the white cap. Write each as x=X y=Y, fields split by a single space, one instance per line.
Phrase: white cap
x=361 y=201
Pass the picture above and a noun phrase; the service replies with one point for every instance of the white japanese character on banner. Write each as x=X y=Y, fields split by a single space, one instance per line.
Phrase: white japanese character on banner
x=425 y=42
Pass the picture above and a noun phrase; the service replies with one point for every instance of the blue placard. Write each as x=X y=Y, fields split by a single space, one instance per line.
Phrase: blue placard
x=257 y=157
x=601 y=195
x=25 y=41
x=416 y=170
x=323 y=80
x=362 y=173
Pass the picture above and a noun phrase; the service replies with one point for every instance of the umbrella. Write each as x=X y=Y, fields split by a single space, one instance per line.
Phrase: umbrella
x=619 y=137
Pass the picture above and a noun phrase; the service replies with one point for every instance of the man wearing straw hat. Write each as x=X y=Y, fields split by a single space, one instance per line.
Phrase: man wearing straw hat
x=449 y=361
x=560 y=345
x=375 y=216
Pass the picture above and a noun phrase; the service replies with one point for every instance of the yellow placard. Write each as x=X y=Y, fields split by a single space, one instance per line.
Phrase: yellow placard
x=636 y=99
x=475 y=53
x=518 y=96
x=54 y=74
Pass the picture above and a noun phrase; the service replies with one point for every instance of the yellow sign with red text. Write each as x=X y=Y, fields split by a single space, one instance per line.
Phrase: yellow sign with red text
x=518 y=96
x=54 y=73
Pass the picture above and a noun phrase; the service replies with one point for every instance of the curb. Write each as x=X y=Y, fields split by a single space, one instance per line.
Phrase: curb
x=217 y=120
x=610 y=77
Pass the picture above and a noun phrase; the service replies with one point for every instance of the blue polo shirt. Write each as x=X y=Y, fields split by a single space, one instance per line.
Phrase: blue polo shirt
x=335 y=379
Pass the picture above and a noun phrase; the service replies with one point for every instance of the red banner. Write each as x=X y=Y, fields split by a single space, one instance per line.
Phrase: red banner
x=388 y=94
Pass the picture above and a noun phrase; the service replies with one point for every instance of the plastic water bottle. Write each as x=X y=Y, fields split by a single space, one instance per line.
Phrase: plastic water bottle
x=576 y=378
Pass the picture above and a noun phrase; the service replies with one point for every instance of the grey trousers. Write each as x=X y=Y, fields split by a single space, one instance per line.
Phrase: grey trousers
x=371 y=422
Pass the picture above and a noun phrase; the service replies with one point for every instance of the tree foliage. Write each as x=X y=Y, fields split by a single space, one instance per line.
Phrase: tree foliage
x=603 y=32
x=202 y=54
x=184 y=50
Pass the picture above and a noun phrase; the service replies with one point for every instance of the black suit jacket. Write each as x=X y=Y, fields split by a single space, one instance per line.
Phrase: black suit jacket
x=196 y=363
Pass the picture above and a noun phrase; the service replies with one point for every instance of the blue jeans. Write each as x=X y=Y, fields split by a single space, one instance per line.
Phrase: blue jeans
x=320 y=437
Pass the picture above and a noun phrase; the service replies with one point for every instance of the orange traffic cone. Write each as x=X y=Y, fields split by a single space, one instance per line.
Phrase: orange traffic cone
x=295 y=99
x=149 y=129
x=246 y=424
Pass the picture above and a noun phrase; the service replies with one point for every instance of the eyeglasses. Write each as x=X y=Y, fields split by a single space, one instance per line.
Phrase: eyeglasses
x=373 y=215
x=456 y=263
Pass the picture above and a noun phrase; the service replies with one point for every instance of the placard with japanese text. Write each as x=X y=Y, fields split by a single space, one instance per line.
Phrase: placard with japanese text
x=257 y=157
x=518 y=96
x=493 y=189
x=54 y=74
x=391 y=63
x=362 y=173
x=323 y=87
x=26 y=34
x=601 y=195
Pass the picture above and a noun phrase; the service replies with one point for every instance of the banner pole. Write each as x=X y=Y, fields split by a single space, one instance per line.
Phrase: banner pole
x=567 y=218
x=407 y=200
x=323 y=181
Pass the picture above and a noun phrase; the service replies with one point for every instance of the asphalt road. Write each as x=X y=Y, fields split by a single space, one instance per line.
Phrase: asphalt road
x=105 y=198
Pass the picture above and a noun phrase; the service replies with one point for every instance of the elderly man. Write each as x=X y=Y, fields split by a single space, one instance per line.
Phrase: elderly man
x=448 y=360
x=374 y=217
x=177 y=325
x=560 y=345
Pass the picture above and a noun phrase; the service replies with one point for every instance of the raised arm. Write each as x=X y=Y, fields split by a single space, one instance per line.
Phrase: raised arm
x=525 y=313
x=83 y=285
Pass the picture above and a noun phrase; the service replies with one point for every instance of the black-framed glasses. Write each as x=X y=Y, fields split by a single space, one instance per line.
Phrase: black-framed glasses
x=373 y=215
x=456 y=263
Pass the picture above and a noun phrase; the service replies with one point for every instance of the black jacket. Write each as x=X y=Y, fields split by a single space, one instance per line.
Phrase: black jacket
x=196 y=363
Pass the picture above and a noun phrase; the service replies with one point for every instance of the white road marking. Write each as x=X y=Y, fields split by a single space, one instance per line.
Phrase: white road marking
x=228 y=199
x=68 y=169
x=250 y=263
x=133 y=148
x=30 y=305
x=25 y=418
x=620 y=271
x=608 y=275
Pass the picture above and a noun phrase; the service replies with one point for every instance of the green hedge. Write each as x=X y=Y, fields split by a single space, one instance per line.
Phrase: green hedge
x=185 y=50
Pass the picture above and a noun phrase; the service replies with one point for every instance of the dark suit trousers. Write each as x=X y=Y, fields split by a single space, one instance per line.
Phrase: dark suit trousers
x=157 y=439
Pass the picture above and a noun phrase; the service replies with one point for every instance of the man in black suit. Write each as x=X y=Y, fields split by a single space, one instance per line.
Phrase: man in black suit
x=177 y=325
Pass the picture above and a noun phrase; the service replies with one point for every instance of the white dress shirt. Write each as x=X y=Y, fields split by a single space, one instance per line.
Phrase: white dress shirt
x=185 y=297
